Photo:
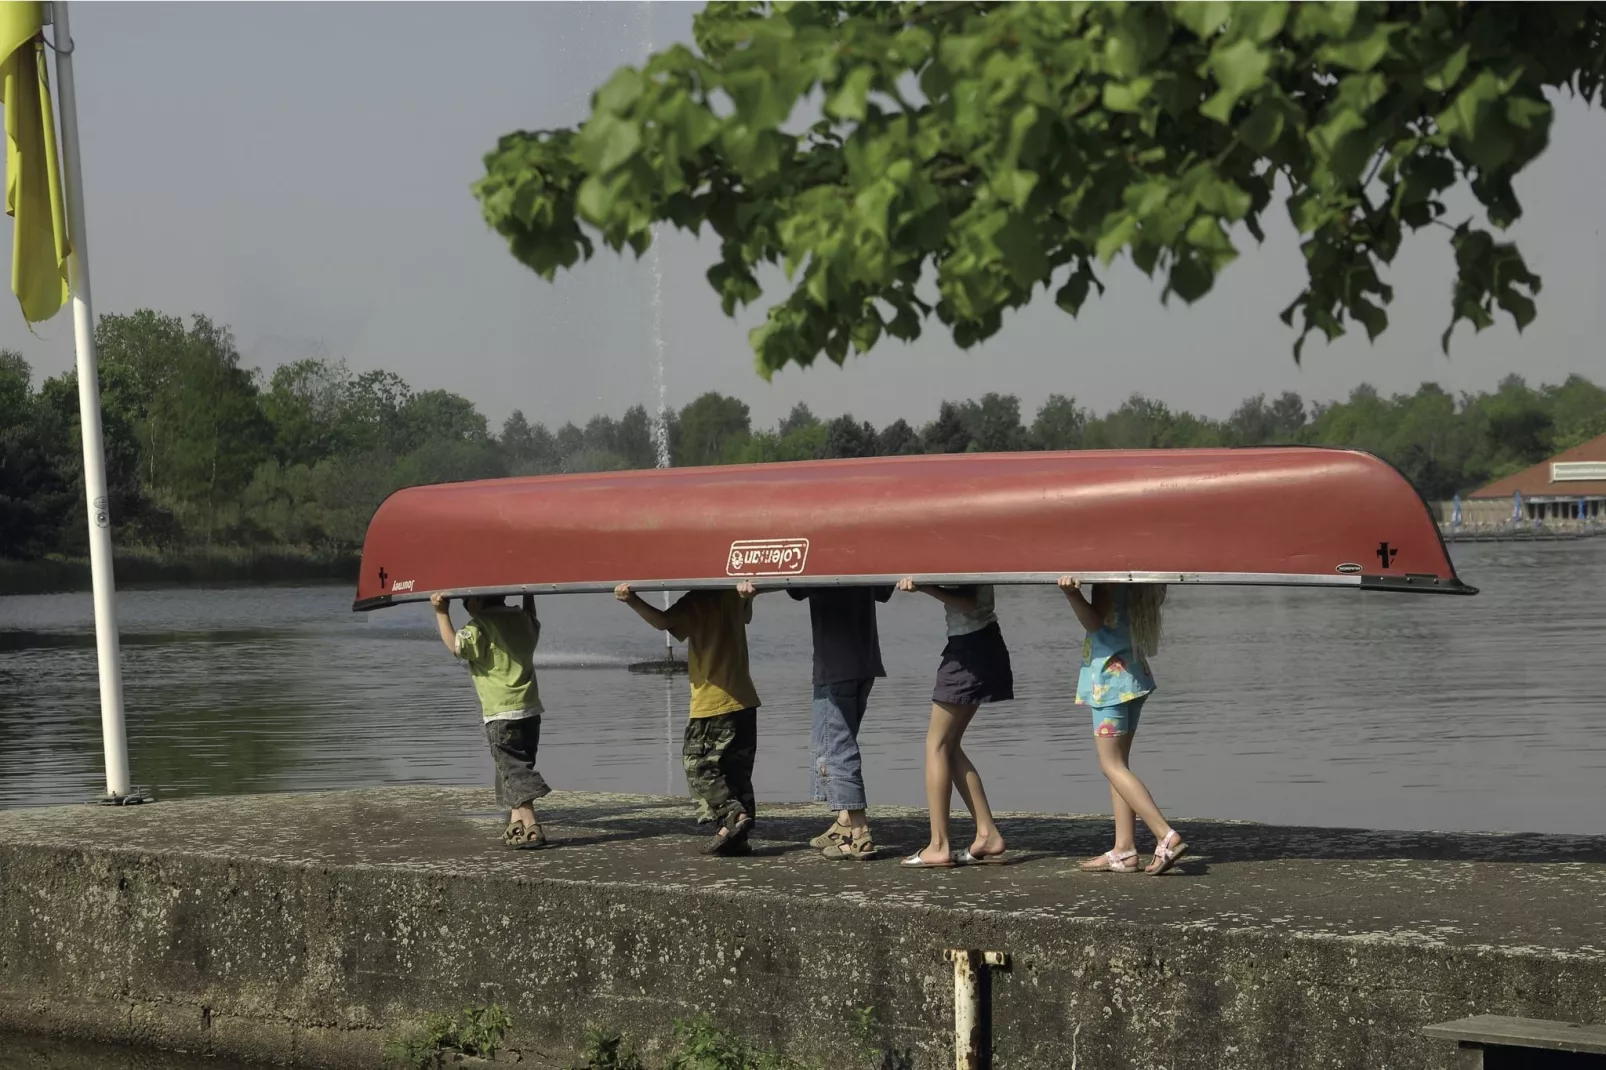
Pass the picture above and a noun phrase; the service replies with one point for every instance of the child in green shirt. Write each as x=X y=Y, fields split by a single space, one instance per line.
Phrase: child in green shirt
x=498 y=644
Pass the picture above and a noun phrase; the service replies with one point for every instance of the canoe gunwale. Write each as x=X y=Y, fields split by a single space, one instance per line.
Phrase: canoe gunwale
x=1412 y=584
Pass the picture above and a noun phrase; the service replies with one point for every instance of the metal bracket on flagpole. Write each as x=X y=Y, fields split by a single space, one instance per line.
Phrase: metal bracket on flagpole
x=135 y=797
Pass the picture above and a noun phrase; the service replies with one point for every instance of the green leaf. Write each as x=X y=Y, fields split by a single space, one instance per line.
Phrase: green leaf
x=1205 y=19
x=607 y=142
x=597 y=197
x=1239 y=68
x=1259 y=21
x=1521 y=308
x=1073 y=294
x=1360 y=53
x=1014 y=187
x=1022 y=246
x=1118 y=231
x=1332 y=20
x=1446 y=72
x=620 y=92
x=1190 y=279
x=1127 y=96
x=848 y=102
x=1265 y=124
x=1373 y=318
x=1464 y=117
x=867 y=331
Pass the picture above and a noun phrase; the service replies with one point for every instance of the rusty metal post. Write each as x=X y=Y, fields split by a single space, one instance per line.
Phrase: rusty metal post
x=973 y=1039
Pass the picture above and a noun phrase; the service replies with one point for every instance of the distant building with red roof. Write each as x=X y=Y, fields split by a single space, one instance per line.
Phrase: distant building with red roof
x=1551 y=489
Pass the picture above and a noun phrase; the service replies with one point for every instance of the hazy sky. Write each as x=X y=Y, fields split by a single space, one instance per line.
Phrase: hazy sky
x=302 y=173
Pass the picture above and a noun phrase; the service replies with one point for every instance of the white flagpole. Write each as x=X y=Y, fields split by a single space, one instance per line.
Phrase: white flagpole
x=113 y=730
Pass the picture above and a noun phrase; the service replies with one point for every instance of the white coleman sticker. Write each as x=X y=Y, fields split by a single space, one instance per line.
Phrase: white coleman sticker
x=767 y=557
x=401 y=585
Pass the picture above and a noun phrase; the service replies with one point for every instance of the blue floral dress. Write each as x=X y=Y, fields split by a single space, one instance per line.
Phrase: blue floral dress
x=1114 y=672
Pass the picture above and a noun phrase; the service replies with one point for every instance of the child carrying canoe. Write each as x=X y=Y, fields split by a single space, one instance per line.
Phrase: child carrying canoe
x=1123 y=628
x=498 y=645
x=722 y=732
x=975 y=669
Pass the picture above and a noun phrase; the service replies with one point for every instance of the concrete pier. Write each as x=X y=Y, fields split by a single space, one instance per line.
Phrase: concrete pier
x=301 y=928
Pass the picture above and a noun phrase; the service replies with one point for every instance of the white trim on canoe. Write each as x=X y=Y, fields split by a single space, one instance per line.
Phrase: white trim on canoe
x=1423 y=583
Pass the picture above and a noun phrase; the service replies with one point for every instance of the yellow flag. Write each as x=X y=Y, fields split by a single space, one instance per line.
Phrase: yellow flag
x=39 y=248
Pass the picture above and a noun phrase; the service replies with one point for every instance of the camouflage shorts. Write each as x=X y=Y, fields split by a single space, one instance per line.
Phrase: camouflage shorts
x=718 y=755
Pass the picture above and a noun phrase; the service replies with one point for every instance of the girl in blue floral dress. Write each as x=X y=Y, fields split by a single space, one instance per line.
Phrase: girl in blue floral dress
x=1123 y=628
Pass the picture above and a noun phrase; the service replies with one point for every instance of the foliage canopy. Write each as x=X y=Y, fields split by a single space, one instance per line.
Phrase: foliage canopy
x=992 y=149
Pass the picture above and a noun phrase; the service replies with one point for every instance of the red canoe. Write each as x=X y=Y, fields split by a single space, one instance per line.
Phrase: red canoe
x=1291 y=516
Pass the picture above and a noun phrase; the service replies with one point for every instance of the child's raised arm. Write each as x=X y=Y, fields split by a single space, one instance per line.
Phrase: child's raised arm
x=644 y=609
x=747 y=592
x=1090 y=614
x=443 y=621
x=962 y=599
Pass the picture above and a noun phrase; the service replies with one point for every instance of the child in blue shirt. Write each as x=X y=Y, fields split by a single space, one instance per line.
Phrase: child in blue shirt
x=1123 y=627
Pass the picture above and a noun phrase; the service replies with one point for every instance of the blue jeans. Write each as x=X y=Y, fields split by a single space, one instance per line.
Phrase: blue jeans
x=834 y=743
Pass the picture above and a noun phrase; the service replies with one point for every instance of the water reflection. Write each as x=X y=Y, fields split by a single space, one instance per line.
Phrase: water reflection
x=1297 y=706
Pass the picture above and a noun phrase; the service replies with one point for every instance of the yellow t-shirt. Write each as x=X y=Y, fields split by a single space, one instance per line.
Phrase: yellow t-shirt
x=713 y=624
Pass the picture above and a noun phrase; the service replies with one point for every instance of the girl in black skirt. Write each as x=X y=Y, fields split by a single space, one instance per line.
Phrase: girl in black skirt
x=975 y=669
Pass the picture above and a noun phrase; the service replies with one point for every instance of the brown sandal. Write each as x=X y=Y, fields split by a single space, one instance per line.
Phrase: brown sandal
x=837 y=833
x=731 y=839
x=521 y=837
x=859 y=847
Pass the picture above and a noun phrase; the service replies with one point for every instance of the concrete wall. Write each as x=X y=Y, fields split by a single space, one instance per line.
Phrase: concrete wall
x=310 y=963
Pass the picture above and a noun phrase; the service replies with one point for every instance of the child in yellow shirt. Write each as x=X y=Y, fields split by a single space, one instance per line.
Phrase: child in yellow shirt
x=722 y=733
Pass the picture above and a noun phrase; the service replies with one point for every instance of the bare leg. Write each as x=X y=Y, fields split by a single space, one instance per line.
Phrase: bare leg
x=1125 y=818
x=852 y=819
x=525 y=814
x=942 y=741
x=988 y=841
x=1125 y=784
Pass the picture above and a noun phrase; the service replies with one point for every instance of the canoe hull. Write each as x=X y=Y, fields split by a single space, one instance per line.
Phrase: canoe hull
x=1283 y=516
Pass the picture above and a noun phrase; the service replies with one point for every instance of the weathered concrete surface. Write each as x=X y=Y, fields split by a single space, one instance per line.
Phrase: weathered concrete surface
x=302 y=927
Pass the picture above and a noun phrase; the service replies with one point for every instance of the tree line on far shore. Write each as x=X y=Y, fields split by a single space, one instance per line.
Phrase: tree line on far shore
x=205 y=455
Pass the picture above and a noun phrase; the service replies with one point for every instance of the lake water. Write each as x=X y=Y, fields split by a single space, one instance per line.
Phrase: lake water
x=1294 y=706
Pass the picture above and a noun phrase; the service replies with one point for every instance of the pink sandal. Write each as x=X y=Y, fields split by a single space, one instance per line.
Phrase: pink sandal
x=1111 y=862
x=1167 y=853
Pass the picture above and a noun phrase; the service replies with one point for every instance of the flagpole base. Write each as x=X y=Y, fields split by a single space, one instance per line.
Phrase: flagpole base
x=135 y=797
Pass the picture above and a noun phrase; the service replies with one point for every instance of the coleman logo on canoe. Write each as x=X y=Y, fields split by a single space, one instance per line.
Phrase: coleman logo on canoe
x=767 y=557
x=1349 y=568
x=402 y=585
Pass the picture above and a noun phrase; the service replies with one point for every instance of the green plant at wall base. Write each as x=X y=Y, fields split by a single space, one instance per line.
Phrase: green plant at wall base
x=605 y=1049
x=703 y=1045
x=475 y=1031
x=1002 y=149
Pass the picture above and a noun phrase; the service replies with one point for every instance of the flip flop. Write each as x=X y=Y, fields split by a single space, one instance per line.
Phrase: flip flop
x=914 y=861
x=965 y=858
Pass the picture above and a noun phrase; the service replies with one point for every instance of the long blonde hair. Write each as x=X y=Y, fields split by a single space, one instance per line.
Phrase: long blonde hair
x=1143 y=613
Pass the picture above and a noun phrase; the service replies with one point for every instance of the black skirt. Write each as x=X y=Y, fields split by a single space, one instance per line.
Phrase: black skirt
x=975 y=669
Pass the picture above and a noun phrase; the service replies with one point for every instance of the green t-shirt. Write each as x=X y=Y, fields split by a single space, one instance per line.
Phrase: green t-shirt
x=499 y=647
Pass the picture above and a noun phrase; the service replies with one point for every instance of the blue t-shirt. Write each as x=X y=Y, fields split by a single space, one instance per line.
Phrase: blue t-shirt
x=1114 y=671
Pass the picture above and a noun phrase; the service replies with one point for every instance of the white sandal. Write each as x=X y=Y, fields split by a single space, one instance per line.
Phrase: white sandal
x=1110 y=862
x=1167 y=853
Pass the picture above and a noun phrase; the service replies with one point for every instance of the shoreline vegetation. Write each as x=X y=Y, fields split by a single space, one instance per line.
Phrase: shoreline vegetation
x=220 y=473
x=134 y=569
